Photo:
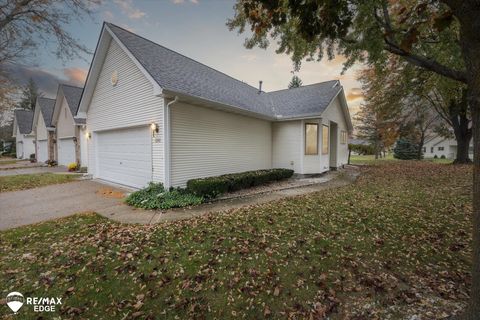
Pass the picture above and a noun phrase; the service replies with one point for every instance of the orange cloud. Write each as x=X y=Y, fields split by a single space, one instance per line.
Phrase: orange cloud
x=75 y=75
x=355 y=94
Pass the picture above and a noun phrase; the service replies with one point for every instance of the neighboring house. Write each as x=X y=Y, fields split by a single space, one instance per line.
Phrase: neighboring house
x=68 y=130
x=22 y=132
x=44 y=130
x=440 y=146
x=155 y=115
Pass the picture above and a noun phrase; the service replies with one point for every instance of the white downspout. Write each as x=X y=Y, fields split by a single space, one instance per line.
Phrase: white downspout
x=166 y=141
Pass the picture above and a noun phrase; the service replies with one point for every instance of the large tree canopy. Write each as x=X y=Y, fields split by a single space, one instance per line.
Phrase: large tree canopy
x=361 y=30
x=367 y=31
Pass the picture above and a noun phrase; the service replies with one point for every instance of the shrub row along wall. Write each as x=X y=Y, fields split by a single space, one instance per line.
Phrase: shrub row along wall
x=213 y=186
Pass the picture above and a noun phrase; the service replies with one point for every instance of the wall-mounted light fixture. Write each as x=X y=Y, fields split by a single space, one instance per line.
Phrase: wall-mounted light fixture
x=88 y=135
x=154 y=127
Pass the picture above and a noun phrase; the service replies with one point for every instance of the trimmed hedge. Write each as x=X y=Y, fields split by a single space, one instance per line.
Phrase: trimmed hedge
x=212 y=187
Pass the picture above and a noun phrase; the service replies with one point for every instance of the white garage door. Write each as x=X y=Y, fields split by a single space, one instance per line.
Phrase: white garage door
x=125 y=156
x=66 y=151
x=19 y=150
x=42 y=150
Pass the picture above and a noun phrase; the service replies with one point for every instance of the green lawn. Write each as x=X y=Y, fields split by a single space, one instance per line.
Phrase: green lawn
x=395 y=244
x=28 y=181
x=370 y=159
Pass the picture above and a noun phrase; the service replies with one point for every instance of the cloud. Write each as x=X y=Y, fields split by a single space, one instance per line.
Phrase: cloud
x=128 y=8
x=108 y=16
x=46 y=81
x=75 y=75
x=354 y=94
x=249 y=57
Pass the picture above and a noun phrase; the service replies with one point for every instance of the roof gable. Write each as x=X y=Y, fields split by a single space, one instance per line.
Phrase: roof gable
x=46 y=107
x=72 y=96
x=24 y=120
x=175 y=74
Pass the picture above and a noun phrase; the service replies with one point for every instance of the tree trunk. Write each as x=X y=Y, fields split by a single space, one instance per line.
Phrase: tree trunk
x=421 y=143
x=468 y=12
x=463 y=145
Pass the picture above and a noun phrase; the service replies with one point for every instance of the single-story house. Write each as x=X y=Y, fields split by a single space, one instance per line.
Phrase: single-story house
x=68 y=130
x=440 y=146
x=22 y=132
x=44 y=130
x=153 y=114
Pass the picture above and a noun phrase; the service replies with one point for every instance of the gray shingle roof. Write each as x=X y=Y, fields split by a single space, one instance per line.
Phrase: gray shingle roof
x=72 y=95
x=24 y=120
x=175 y=72
x=46 y=107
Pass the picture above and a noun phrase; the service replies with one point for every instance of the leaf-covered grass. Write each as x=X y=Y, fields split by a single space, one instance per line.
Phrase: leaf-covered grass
x=370 y=159
x=394 y=245
x=154 y=196
x=29 y=181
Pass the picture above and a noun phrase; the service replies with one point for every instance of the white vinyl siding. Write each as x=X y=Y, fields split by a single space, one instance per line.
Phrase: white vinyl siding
x=130 y=103
x=287 y=145
x=335 y=113
x=65 y=126
x=207 y=142
x=41 y=130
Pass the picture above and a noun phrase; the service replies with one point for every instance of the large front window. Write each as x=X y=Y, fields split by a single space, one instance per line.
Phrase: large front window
x=311 y=138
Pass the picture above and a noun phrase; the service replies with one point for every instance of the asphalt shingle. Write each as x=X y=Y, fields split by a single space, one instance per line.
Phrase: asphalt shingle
x=46 y=107
x=175 y=72
x=24 y=120
x=72 y=95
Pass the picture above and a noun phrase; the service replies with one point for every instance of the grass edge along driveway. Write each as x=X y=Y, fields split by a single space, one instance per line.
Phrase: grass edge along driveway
x=29 y=181
x=395 y=244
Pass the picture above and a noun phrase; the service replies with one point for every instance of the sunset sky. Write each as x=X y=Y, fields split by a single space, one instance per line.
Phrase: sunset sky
x=195 y=28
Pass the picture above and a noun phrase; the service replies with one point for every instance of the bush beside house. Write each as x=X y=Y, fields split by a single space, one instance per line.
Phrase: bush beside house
x=156 y=197
x=212 y=187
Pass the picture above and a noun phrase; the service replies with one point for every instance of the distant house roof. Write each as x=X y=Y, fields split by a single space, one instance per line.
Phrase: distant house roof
x=72 y=95
x=46 y=107
x=24 y=120
x=180 y=74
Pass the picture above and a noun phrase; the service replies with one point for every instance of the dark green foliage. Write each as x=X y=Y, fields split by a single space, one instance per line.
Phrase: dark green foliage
x=156 y=197
x=405 y=150
x=362 y=149
x=29 y=96
x=296 y=82
x=442 y=157
x=213 y=186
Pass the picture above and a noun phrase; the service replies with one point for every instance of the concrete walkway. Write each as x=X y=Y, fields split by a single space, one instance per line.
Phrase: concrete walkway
x=25 y=207
x=32 y=170
x=126 y=214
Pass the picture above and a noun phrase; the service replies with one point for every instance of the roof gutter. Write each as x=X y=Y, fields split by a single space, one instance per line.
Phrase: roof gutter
x=166 y=141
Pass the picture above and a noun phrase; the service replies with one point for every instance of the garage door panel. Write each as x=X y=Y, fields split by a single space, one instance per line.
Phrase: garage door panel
x=42 y=150
x=66 y=151
x=124 y=156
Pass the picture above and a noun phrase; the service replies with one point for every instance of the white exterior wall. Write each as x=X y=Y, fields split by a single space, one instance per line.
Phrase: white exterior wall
x=130 y=103
x=449 y=148
x=314 y=163
x=41 y=131
x=287 y=145
x=335 y=113
x=65 y=127
x=27 y=145
x=207 y=142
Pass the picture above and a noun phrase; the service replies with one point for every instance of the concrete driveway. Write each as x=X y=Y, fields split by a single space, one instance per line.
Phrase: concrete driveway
x=25 y=207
